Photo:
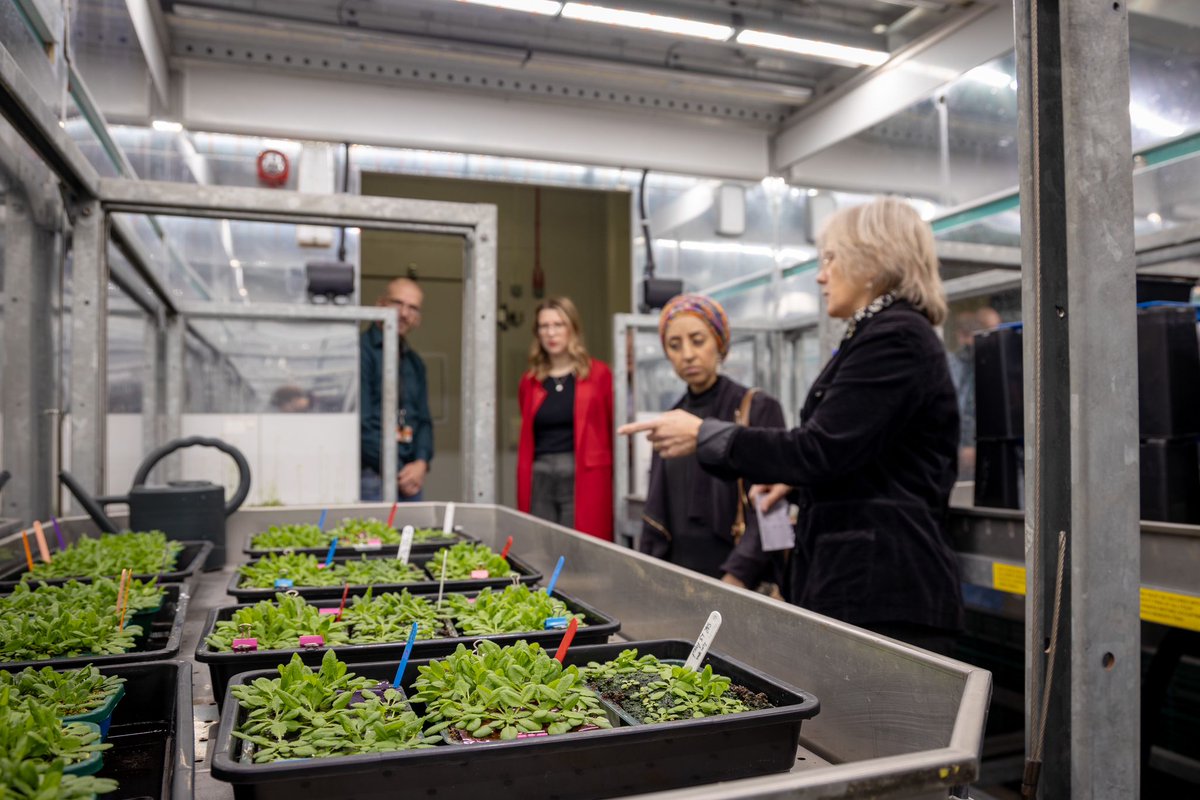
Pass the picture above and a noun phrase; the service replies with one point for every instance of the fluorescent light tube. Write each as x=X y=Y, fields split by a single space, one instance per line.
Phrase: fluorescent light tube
x=166 y=126
x=649 y=22
x=547 y=7
x=810 y=47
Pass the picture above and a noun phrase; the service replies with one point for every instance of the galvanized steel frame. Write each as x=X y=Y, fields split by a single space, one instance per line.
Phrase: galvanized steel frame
x=1081 y=408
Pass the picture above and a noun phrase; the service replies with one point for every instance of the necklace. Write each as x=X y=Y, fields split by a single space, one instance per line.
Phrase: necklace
x=866 y=312
x=559 y=383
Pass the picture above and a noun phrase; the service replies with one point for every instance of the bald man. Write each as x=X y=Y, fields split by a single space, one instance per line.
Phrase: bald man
x=414 y=425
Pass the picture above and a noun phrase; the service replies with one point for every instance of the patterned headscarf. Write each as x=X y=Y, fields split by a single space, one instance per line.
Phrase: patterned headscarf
x=697 y=305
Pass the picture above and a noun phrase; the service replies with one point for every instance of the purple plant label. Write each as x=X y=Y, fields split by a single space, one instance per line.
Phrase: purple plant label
x=315 y=640
x=245 y=645
x=556 y=623
x=477 y=574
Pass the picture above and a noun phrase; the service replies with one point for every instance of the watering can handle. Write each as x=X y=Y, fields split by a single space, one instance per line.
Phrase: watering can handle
x=155 y=456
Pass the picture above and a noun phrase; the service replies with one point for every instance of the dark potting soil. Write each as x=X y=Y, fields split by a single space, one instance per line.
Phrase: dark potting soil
x=616 y=691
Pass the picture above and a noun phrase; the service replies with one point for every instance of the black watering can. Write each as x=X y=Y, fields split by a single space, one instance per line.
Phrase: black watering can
x=181 y=509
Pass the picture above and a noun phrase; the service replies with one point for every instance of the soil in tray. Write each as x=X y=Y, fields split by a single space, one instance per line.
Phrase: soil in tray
x=136 y=759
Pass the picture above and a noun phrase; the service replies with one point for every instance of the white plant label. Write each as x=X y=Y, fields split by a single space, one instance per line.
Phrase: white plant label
x=448 y=522
x=703 y=642
x=405 y=544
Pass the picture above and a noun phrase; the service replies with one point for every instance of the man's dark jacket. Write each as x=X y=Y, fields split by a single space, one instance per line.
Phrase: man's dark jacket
x=714 y=500
x=874 y=460
x=414 y=400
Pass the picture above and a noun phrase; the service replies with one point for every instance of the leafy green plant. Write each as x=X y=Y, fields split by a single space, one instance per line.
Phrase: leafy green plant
x=307 y=714
x=278 y=624
x=68 y=692
x=144 y=553
x=465 y=557
x=501 y=692
x=389 y=617
x=652 y=691
x=33 y=779
x=303 y=570
x=349 y=533
x=70 y=620
x=282 y=537
x=515 y=609
x=29 y=729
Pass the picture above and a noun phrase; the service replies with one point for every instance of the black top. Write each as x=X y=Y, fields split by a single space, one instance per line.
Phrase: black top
x=689 y=520
x=554 y=423
x=874 y=460
x=693 y=545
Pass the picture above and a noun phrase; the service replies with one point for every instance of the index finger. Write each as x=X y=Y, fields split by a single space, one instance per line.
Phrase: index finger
x=636 y=427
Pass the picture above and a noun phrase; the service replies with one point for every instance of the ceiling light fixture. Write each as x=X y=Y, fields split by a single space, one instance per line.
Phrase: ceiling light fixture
x=547 y=7
x=649 y=22
x=166 y=126
x=811 y=47
x=1146 y=119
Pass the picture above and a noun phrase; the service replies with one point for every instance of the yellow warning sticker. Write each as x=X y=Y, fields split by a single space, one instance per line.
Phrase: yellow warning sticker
x=1168 y=608
x=1008 y=578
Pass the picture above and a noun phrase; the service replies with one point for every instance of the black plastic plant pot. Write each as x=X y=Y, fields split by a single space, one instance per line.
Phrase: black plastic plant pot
x=162 y=642
x=223 y=666
x=427 y=546
x=190 y=559
x=626 y=760
x=152 y=737
x=528 y=575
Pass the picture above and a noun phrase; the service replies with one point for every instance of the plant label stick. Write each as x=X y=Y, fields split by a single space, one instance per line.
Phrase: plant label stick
x=406 y=540
x=43 y=550
x=557 y=571
x=329 y=556
x=555 y=623
x=561 y=653
x=441 y=585
x=507 y=547
x=28 y=552
x=408 y=646
x=703 y=642
x=392 y=515
x=448 y=520
x=62 y=545
x=324 y=516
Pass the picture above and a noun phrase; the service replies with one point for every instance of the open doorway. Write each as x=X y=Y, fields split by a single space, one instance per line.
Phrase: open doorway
x=580 y=238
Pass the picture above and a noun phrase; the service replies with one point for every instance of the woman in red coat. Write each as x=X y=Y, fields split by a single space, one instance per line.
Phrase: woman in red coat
x=565 y=455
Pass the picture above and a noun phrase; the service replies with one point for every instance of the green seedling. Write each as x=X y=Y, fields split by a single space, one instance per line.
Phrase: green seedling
x=303 y=570
x=33 y=779
x=33 y=730
x=315 y=714
x=67 y=692
x=652 y=691
x=278 y=625
x=464 y=558
x=495 y=692
x=515 y=609
x=349 y=533
x=101 y=593
x=389 y=618
x=105 y=557
x=66 y=621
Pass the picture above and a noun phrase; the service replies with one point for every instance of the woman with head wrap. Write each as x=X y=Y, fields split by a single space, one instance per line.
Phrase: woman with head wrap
x=875 y=456
x=691 y=518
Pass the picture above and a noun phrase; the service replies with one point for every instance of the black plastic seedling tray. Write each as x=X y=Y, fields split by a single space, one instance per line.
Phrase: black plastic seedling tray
x=190 y=559
x=428 y=546
x=152 y=738
x=166 y=631
x=223 y=666
x=528 y=575
x=630 y=759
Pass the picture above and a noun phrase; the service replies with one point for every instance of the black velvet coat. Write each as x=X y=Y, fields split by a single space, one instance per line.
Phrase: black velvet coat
x=874 y=460
x=714 y=500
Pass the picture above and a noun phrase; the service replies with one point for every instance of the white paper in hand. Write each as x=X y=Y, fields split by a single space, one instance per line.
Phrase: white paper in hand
x=775 y=531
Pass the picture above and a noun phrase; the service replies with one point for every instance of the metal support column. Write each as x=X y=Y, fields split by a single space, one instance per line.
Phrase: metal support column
x=28 y=396
x=89 y=322
x=389 y=399
x=1081 y=405
x=479 y=360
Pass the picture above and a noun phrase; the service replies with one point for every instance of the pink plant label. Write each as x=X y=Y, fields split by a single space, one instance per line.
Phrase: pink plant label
x=476 y=574
x=312 y=641
x=369 y=544
x=525 y=735
x=334 y=611
x=245 y=645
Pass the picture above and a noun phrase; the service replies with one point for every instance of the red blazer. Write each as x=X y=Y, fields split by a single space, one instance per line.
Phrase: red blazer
x=593 y=448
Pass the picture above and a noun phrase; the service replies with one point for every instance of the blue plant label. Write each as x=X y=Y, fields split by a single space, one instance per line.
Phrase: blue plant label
x=284 y=583
x=556 y=623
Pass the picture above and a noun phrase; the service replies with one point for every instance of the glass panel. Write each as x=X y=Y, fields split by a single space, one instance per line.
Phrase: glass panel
x=83 y=132
x=128 y=380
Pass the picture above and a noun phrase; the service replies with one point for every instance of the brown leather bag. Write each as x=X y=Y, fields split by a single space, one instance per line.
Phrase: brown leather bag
x=742 y=417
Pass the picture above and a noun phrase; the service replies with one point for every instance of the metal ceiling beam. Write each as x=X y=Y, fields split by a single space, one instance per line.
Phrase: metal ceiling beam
x=979 y=35
x=145 y=15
